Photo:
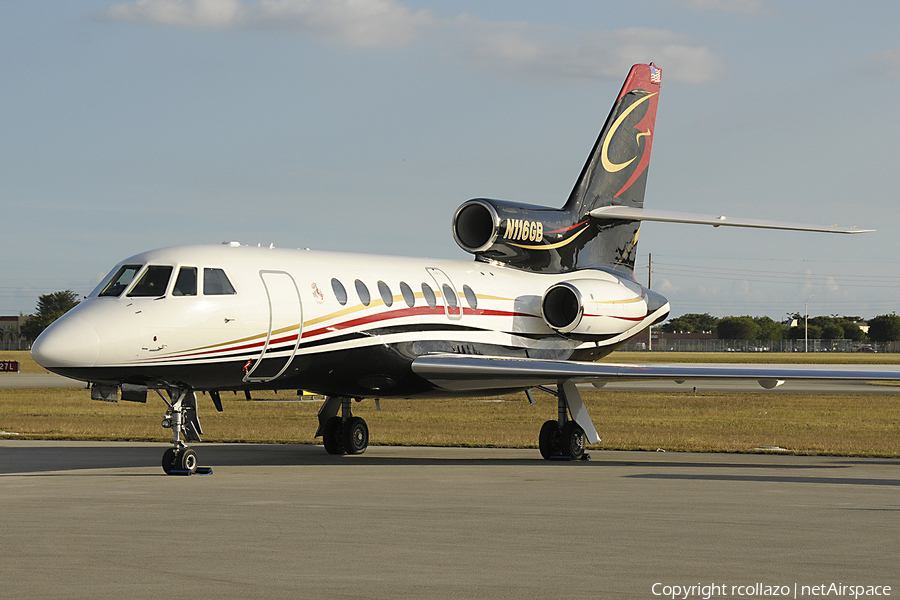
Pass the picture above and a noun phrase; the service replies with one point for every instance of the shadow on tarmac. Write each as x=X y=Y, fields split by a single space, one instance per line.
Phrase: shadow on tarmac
x=25 y=457
x=768 y=479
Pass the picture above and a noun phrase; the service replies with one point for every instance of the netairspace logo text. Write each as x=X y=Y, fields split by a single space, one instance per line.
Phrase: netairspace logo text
x=763 y=590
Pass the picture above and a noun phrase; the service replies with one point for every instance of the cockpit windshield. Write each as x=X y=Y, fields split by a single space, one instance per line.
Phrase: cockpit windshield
x=121 y=280
x=153 y=282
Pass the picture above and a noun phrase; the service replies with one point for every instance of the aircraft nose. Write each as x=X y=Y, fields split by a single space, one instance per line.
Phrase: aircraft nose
x=69 y=342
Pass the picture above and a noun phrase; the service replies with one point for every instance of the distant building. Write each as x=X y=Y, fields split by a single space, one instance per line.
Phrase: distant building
x=11 y=333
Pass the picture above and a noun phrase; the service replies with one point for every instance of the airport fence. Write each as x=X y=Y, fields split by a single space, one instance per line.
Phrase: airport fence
x=713 y=345
x=17 y=344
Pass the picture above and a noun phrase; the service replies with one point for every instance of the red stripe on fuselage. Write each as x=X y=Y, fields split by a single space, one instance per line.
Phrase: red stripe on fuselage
x=385 y=316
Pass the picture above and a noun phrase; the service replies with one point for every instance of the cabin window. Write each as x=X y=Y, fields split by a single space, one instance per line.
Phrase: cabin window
x=216 y=283
x=153 y=283
x=449 y=296
x=339 y=292
x=386 y=294
x=429 y=295
x=186 y=282
x=407 y=294
x=363 y=292
x=123 y=277
x=471 y=298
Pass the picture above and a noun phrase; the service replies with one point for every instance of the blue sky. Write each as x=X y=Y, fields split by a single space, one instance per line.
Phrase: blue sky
x=361 y=125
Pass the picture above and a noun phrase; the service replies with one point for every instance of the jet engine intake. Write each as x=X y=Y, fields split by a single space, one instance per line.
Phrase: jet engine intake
x=592 y=309
x=475 y=226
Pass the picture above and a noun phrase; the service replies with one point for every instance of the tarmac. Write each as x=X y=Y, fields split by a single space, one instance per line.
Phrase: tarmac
x=101 y=520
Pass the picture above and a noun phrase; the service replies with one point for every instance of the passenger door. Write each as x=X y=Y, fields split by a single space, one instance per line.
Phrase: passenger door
x=285 y=327
x=452 y=304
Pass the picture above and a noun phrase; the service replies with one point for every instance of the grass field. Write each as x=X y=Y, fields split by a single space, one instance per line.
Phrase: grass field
x=26 y=363
x=851 y=425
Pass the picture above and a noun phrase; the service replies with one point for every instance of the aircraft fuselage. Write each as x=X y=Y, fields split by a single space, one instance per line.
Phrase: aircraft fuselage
x=331 y=323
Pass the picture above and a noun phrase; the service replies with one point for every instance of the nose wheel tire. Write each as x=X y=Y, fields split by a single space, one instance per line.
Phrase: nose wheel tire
x=183 y=460
x=169 y=461
x=188 y=460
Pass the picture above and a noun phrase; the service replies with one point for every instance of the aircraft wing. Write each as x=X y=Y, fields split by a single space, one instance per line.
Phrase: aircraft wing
x=460 y=373
x=628 y=213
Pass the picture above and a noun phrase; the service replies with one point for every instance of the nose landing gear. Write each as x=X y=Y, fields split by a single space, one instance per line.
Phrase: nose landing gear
x=181 y=418
x=181 y=459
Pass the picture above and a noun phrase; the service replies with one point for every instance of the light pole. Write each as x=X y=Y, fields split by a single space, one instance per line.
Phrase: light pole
x=649 y=285
x=806 y=323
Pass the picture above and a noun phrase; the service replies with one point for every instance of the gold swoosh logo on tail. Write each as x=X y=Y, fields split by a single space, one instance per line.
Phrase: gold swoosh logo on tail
x=610 y=166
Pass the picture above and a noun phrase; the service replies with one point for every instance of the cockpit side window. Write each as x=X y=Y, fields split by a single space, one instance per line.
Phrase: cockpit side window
x=152 y=283
x=216 y=283
x=186 y=283
x=123 y=277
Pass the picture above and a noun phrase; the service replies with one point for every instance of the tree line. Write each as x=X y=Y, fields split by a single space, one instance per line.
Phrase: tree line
x=883 y=328
x=49 y=308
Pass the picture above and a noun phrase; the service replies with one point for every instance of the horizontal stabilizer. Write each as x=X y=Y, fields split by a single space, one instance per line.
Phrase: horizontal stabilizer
x=628 y=213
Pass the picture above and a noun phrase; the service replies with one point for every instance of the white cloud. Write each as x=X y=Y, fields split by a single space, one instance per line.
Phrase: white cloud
x=180 y=13
x=743 y=7
x=360 y=23
x=365 y=23
x=666 y=287
x=508 y=47
x=564 y=53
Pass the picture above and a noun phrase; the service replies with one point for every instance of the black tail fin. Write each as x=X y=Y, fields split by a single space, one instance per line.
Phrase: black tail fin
x=616 y=170
x=560 y=240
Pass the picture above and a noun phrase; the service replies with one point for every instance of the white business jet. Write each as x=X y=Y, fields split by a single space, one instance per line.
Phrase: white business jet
x=550 y=290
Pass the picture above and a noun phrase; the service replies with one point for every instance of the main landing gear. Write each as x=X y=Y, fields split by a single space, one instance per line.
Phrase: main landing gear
x=344 y=434
x=181 y=418
x=565 y=438
x=565 y=442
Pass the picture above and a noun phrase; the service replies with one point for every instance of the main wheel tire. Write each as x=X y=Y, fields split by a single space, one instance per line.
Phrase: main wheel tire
x=548 y=440
x=355 y=436
x=188 y=460
x=332 y=436
x=572 y=440
x=169 y=460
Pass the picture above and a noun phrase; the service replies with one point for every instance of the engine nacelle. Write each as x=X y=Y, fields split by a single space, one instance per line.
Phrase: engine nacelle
x=593 y=309
x=519 y=235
